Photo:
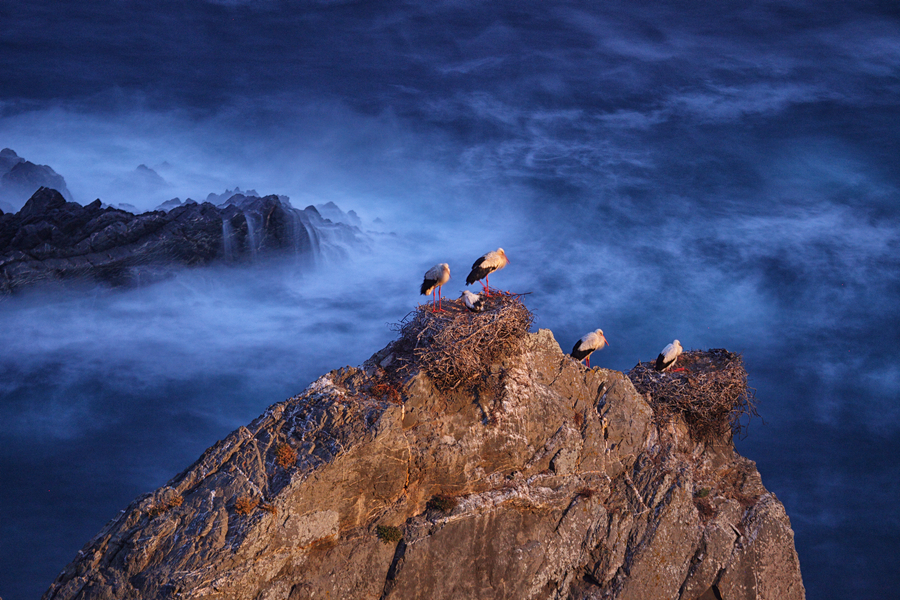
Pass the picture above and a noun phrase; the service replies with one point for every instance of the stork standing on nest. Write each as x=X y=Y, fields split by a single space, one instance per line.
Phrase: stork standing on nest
x=436 y=276
x=589 y=342
x=474 y=302
x=668 y=356
x=484 y=266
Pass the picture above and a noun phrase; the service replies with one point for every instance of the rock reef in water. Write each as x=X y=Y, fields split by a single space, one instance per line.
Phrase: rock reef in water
x=53 y=239
x=549 y=481
x=20 y=178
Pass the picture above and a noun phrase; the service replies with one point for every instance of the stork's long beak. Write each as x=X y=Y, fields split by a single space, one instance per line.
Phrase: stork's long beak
x=606 y=340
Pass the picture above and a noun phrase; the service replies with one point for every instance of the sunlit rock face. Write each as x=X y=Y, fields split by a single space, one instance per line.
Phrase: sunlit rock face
x=554 y=480
x=52 y=239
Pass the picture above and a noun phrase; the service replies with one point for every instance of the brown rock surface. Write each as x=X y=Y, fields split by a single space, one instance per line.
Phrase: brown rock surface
x=563 y=487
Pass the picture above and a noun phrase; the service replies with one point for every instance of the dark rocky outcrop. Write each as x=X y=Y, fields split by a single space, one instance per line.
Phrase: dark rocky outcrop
x=330 y=211
x=51 y=239
x=170 y=204
x=19 y=179
x=8 y=159
x=227 y=194
x=552 y=482
x=148 y=177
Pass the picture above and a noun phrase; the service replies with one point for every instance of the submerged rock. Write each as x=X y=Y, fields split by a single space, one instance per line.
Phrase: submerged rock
x=550 y=481
x=52 y=239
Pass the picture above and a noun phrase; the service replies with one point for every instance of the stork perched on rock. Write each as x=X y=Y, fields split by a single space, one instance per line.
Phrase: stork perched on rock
x=436 y=276
x=668 y=356
x=589 y=342
x=484 y=266
x=474 y=302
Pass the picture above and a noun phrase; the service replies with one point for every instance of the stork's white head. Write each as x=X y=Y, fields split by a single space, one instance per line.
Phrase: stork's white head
x=502 y=253
x=600 y=333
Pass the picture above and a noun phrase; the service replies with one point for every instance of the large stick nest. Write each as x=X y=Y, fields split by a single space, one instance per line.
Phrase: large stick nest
x=711 y=394
x=456 y=347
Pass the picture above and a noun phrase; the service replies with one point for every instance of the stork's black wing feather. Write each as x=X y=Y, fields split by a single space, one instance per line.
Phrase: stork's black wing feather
x=427 y=285
x=477 y=271
x=477 y=274
x=578 y=353
x=661 y=363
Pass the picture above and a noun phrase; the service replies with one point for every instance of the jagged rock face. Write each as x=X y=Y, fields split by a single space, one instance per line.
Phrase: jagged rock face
x=20 y=178
x=222 y=198
x=562 y=487
x=9 y=159
x=50 y=238
x=330 y=211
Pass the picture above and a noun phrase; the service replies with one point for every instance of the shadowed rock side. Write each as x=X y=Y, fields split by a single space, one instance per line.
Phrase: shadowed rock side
x=20 y=178
x=556 y=484
x=51 y=239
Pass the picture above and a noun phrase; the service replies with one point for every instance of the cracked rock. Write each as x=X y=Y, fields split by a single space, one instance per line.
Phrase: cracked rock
x=569 y=491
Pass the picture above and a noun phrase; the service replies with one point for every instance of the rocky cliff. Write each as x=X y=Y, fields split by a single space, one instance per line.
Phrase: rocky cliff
x=548 y=480
x=51 y=239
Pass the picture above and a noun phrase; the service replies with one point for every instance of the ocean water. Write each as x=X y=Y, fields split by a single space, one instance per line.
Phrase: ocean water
x=726 y=175
x=106 y=394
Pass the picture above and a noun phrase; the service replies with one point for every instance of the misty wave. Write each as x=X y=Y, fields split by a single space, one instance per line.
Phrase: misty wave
x=725 y=176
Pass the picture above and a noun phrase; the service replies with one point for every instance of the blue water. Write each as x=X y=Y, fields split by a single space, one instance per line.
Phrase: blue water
x=728 y=175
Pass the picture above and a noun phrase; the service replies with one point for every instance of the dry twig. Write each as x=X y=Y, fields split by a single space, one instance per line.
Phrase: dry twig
x=457 y=347
x=711 y=394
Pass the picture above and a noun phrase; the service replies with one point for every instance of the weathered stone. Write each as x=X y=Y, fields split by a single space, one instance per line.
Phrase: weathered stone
x=51 y=239
x=563 y=488
x=763 y=565
x=20 y=178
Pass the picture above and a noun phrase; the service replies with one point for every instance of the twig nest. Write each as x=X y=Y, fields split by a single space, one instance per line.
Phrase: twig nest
x=456 y=347
x=711 y=394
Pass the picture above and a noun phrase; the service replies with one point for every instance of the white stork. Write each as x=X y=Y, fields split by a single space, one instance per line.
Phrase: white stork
x=589 y=342
x=474 y=302
x=668 y=356
x=484 y=266
x=436 y=276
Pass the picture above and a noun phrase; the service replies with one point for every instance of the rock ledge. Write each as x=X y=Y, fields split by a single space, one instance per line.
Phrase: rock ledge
x=555 y=484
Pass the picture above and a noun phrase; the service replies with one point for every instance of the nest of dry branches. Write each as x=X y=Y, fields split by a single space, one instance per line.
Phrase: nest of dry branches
x=456 y=348
x=711 y=393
